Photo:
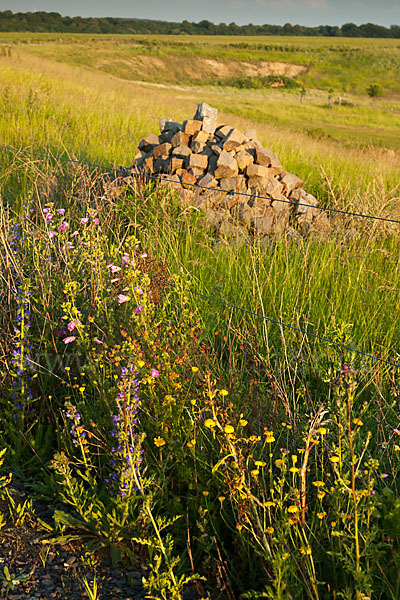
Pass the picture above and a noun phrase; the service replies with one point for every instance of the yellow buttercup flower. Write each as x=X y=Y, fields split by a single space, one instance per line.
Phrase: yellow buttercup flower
x=334 y=459
x=209 y=423
x=322 y=431
x=243 y=422
x=260 y=463
x=269 y=504
x=320 y=495
x=306 y=550
x=228 y=429
x=255 y=472
x=269 y=530
x=221 y=498
x=294 y=470
x=159 y=441
x=223 y=392
x=293 y=509
x=321 y=515
x=195 y=369
x=358 y=422
x=140 y=363
x=270 y=439
x=205 y=493
x=318 y=484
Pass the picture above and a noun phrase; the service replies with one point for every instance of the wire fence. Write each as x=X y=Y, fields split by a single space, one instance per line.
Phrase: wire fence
x=219 y=300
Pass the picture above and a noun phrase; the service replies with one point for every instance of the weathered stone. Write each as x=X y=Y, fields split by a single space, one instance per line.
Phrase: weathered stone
x=198 y=161
x=252 y=145
x=235 y=136
x=223 y=131
x=201 y=136
x=208 y=116
x=208 y=181
x=148 y=164
x=162 y=165
x=188 y=178
x=196 y=172
x=264 y=225
x=216 y=149
x=307 y=203
x=176 y=163
x=226 y=165
x=180 y=139
x=149 y=142
x=180 y=172
x=162 y=123
x=234 y=183
x=250 y=134
x=181 y=151
x=230 y=145
x=290 y=182
x=257 y=171
x=244 y=159
x=191 y=127
x=272 y=187
x=197 y=147
x=172 y=181
x=166 y=137
x=212 y=164
x=162 y=150
x=168 y=125
x=280 y=203
x=267 y=158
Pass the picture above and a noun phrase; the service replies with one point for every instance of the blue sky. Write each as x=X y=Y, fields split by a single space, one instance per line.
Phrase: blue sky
x=279 y=12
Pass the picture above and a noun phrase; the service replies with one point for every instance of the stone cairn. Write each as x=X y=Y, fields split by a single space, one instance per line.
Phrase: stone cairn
x=201 y=153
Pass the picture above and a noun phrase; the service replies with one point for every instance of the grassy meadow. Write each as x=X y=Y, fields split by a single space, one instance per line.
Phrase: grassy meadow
x=236 y=457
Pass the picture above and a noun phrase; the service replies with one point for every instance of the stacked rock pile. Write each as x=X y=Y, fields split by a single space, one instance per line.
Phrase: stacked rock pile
x=199 y=154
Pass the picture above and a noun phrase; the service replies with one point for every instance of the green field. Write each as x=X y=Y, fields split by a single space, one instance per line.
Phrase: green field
x=221 y=462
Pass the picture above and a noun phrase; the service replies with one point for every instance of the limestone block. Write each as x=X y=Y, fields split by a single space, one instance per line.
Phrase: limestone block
x=208 y=181
x=176 y=163
x=290 y=182
x=181 y=151
x=198 y=161
x=257 y=171
x=191 y=127
x=235 y=136
x=244 y=159
x=149 y=142
x=196 y=172
x=208 y=116
x=197 y=147
x=230 y=145
x=201 y=136
x=250 y=134
x=162 y=150
x=188 y=178
x=226 y=165
x=180 y=139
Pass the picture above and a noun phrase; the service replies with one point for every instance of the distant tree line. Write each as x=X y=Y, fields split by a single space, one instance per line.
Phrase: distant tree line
x=54 y=22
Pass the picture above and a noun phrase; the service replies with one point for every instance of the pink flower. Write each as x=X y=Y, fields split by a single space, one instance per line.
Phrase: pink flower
x=75 y=233
x=384 y=475
x=99 y=229
x=122 y=298
x=139 y=309
x=71 y=326
x=139 y=290
x=143 y=255
x=52 y=234
x=49 y=216
x=114 y=268
x=45 y=211
x=61 y=211
x=96 y=221
x=69 y=339
x=396 y=431
x=84 y=220
x=99 y=342
x=63 y=226
x=154 y=373
x=125 y=259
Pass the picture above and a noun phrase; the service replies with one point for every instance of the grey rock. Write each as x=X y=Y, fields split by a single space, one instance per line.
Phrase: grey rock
x=208 y=115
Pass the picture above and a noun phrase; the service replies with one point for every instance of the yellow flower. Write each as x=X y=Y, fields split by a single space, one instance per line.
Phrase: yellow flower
x=191 y=443
x=322 y=431
x=269 y=504
x=260 y=463
x=243 y=422
x=293 y=509
x=294 y=458
x=223 y=392
x=318 y=483
x=334 y=459
x=293 y=520
x=321 y=515
x=228 y=429
x=221 y=498
x=294 y=470
x=140 y=363
x=306 y=550
x=255 y=472
x=269 y=530
x=205 y=493
x=193 y=402
x=239 y=526
x=195 y=369
x=320 y=495
x=159 y=441
x=333 y=523
x=269 y=439
x=209 y=423
x=82 y=389
x=358 y=422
